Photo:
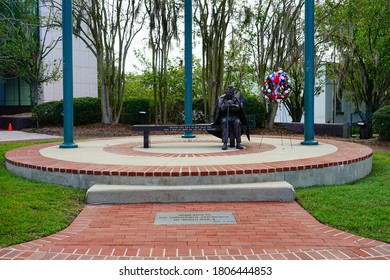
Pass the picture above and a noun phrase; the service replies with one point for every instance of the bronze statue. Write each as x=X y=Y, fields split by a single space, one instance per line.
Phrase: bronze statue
x=229 y=114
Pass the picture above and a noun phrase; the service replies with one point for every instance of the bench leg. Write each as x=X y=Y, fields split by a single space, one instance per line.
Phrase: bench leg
x=146 y=139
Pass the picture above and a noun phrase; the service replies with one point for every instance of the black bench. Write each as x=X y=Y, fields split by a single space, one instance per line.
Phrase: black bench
x=182 y=127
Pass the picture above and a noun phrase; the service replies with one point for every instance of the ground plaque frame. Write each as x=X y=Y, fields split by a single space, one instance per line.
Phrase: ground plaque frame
x=194 y=218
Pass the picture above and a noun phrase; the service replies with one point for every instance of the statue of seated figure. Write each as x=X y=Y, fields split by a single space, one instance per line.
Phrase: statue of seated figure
x=229 y=114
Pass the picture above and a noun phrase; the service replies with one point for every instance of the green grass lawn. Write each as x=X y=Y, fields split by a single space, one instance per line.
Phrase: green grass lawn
x=361 y=207
x=30 y=209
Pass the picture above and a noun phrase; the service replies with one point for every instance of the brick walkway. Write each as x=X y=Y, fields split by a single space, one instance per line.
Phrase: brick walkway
x=267 y=230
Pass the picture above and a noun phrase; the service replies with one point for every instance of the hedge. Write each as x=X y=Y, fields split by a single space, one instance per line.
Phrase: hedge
x=253 y=106
x=49 y=113
x=131 y=111
x=86 y=110
x=381 y=122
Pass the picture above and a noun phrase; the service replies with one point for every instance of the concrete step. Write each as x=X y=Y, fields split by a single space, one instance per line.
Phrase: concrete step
x=265 y=191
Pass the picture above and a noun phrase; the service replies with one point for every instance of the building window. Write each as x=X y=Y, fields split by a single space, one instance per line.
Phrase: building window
x=14 y=92
x=339 y=106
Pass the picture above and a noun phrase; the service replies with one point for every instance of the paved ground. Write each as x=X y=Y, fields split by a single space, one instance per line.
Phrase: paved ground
x=263 y=230
x=15 y=135
x=271 y=231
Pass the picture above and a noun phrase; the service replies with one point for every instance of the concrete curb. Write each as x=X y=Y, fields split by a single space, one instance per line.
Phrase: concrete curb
x=267 y=191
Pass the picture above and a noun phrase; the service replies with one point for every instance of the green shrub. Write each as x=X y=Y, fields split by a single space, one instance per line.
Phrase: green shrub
x=131 y=109
x=253 y=106
x=381 y=122
x=49 y=113
x=86 y=110
x=198 y=115
x=175 y=111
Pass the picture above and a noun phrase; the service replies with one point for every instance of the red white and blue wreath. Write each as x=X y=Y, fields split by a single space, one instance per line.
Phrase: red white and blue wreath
x=277 y=87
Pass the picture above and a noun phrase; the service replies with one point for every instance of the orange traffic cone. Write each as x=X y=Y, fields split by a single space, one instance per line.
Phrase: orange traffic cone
x=10 y=126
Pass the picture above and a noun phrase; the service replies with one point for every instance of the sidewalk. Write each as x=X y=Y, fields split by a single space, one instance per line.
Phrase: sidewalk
x=264 y=231
x=15 y=135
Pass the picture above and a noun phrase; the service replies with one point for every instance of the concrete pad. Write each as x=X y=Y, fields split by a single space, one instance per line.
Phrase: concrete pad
x=267 y=191
x=174 y=151
x=174 y=161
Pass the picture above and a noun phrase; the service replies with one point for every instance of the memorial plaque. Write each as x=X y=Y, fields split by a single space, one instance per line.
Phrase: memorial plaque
x=194 y=218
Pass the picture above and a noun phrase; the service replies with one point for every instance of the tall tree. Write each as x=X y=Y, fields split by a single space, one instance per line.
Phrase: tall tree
x=274 y=32
x=238 y=69
x=213 y=19
x=163 y=28
x=108 y=28
x=25 y=45
x=359 y=30
x=295 y=103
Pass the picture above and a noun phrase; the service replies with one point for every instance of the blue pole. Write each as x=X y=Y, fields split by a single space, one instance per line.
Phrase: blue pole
x=309 y=74
x=188 y=66
x=68 y=74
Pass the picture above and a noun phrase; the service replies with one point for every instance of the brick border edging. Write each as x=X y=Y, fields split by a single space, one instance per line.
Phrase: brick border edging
x=27 y=162
x=369 y=253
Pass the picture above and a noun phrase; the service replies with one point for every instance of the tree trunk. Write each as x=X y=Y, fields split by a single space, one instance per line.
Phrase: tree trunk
x=272 y=110
x=34 y=94
x=105 y=102
x=108 y=29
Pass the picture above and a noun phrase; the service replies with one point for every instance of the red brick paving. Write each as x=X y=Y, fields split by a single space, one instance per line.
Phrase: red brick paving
x=264 y=230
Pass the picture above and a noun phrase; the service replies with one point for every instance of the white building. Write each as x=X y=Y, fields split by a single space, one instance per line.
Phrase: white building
x=15 y=93
x=84 y=72
x=328 y=106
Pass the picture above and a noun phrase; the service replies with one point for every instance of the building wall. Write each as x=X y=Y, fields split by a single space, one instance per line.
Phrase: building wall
x=320 y=111
x=84 y=69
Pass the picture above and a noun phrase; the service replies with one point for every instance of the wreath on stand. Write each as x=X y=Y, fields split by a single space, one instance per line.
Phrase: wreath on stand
x=277 y=87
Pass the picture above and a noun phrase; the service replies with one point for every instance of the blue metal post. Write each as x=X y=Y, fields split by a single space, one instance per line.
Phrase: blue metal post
x=309 y=74
x=188 y=66
x=68 y=73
